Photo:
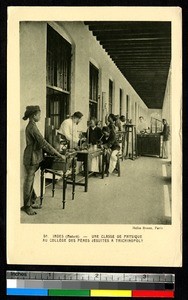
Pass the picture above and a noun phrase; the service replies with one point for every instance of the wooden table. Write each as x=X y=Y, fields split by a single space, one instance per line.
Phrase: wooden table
x=57 y=166
x=83 y=156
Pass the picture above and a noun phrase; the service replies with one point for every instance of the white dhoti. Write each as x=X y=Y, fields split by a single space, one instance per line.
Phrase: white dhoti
x=113 y=160
x=94 y=164
x=94 y=161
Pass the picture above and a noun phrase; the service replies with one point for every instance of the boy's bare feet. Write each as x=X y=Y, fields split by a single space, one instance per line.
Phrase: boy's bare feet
x=29 y=210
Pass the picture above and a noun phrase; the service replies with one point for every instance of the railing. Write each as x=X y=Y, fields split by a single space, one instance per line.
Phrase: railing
x=156 y=125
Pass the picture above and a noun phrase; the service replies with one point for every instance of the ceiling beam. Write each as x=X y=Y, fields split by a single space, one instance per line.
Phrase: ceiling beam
x=119 y=33
x=156 y=42
x=129 y=68
x=137 y=47
x=141 y=70
x=128 y=25
x=120 y=37
x=140 y=58
x=128 y=65
x=142 y=53
x=147 y=72
x=137 y=51
x=149 y=61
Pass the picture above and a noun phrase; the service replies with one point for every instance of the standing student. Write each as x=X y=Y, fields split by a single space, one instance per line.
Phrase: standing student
x=33 y=156
x=111 y=122
x=94 y=134
x=166 y=134
x=69 y=129
x=112 y=147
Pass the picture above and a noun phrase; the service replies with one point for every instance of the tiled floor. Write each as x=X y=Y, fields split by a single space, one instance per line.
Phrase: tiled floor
x=137 y=197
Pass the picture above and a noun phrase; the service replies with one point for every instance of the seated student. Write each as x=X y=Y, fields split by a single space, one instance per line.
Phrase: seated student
x=99 y=124
x=94 y=134
x=112 y=147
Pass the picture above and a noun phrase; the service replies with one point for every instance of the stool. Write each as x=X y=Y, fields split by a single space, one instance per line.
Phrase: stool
x=63 y=174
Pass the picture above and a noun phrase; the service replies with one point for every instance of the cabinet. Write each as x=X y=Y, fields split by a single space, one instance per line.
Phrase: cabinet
x=149 y=144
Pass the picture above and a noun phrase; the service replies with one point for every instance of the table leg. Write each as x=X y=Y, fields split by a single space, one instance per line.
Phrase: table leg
x=123 y=146
x=64 y=188
x=103 y=164
x=73 y=177
x=53 y=184
x=107 y=164
x=132 y=144
x=41 y=186
x=136 y=151
x=127 y=149
x=86 y=172
x=118 y=165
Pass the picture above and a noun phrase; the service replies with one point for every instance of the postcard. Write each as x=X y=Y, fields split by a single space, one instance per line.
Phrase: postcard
x=94 y=136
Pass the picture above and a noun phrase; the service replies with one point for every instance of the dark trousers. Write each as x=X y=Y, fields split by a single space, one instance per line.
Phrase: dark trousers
x=28 y=190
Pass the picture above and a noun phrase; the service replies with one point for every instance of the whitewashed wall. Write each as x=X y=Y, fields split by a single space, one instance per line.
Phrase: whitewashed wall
x=32 y=78
x=166 y=110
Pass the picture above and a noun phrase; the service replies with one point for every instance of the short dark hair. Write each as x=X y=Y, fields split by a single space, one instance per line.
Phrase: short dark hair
x=94 y=119
x=116 y=117
x=106 y=129
x=112 y=116
x=122 y=117
x=78 y=115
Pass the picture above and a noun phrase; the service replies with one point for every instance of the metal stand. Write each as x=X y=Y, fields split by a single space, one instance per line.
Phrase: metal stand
x=131 y=134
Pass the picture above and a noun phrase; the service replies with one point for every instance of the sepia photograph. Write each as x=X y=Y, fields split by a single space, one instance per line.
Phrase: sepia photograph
x=95 y=104
x=94 y=150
